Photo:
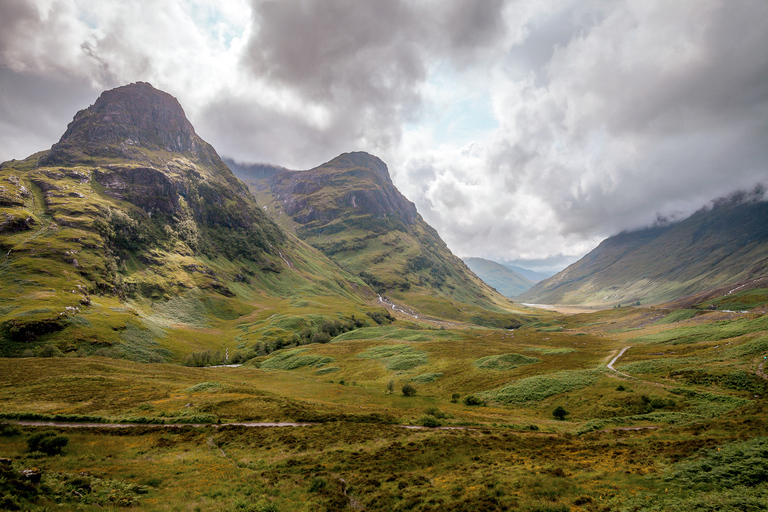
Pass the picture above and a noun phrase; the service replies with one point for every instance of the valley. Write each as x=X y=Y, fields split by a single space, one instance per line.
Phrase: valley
x=175 y=339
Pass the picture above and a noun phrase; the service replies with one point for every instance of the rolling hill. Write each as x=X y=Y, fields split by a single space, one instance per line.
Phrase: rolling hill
x=505 y=280
x=350 y=210
x=717 y=246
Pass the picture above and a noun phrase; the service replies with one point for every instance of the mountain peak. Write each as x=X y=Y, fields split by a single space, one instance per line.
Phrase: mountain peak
x=129 y=122
x=360 y=159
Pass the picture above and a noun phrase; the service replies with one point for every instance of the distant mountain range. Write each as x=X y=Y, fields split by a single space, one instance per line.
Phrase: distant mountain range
x=508 y=282
x=726 y=243
x=531 y=275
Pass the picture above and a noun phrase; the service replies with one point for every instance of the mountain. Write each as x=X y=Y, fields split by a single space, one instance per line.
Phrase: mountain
x=508 y=282
x=350 y=210
x=130 y=237
x=531 y=275
x=724 y=244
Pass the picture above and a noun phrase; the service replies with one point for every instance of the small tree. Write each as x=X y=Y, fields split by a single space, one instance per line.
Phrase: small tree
x=455 y=397
x=391 y=387
x=409 y=390
x=560 y=413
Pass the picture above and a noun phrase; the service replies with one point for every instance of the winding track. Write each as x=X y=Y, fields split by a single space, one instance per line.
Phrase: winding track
x=610 y=365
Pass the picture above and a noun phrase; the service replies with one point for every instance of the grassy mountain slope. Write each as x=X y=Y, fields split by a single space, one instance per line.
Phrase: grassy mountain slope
x=531 y=275
x=725 y=244
x=506 y=281
x=350 y=210
x=130 y=237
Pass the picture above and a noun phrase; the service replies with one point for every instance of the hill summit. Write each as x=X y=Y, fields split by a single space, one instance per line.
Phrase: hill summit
x=132 y=122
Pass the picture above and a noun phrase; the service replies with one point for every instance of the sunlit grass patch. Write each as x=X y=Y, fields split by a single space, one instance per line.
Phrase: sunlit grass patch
x=504 y=362
x=551 y=351
x=677 y=316
x=204 y=387
x=539 y=387
x=706 y=332
x=659 y=365
x=293 y=359
x=391 y=332
x=396 y=357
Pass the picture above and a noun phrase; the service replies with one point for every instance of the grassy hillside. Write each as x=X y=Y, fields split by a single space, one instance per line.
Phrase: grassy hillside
x=349 y=209
x=677 y=421
x=506 y=281
x=134 y=240
x=725 y=244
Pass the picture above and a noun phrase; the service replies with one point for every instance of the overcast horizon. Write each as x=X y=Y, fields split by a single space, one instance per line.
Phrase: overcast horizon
x=525 y=132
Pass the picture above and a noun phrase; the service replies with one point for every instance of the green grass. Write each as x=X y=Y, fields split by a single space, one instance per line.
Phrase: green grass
x=504 y=362
x=426 y=377
x=540 y=387
x=294 y=359
x=706 y=332
x=550 y=351
x=396 y=357
x=677 y=316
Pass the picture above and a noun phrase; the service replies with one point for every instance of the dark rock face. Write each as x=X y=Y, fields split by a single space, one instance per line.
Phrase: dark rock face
x=125 y=120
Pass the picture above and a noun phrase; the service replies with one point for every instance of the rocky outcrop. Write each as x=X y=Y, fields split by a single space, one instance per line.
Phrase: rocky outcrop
x=129 y=122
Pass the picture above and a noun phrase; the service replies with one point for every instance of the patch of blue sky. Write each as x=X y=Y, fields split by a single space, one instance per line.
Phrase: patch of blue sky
x=465 y=120
x=220 y=23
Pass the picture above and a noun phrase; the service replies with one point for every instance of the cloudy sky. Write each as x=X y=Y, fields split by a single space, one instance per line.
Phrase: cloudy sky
x=523 y=130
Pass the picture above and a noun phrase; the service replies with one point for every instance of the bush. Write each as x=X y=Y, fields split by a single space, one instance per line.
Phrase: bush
x=8 y=430
x=473 y=400
x=408 y=390
x=455 y=397
x=47 y=442
x=430 y=422
x=560 y=413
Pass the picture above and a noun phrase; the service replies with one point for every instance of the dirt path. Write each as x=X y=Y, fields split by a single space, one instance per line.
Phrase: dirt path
x=610 y=365
x=760 y=372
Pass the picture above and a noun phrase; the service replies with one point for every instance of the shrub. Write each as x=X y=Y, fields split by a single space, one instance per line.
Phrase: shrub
x=8 y=430
x=408 y=390
x=430 y=421
x=391 y=386
x=47 y=442
x=317 y=484
x=455 y=397
x=437 y=413
x=560 y=413
x=473 y=400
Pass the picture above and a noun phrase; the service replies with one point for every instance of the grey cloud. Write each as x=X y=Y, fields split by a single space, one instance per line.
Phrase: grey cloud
x=35 y=111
